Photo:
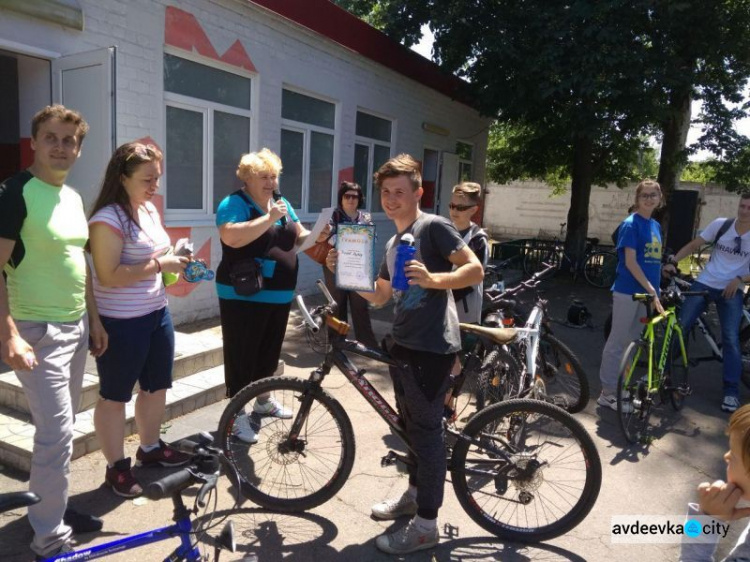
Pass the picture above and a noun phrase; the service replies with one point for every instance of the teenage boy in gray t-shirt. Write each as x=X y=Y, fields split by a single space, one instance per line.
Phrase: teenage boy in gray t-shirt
x=426 y=335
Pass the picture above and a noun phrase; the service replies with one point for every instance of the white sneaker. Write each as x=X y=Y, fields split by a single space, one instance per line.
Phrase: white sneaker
x=409 y=539
x=243 y=431
x=272 y=408
x=730 y=403
x=395 y=507
x=610 y=401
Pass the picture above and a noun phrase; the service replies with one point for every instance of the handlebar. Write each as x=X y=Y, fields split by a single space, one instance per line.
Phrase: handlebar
x=203 y=469
x=501 y=300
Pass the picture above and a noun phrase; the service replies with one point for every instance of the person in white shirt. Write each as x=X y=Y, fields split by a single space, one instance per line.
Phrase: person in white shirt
x=724 y=278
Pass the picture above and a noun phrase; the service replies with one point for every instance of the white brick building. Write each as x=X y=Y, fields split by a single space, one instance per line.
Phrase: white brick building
x=208 y=80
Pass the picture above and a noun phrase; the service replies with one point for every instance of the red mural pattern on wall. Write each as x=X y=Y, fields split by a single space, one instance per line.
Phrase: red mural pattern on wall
x=182 y=30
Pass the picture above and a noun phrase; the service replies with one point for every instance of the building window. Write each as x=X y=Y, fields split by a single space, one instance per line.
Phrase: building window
x=208 y=130
x=307 y=138
x=372 y=149
x=465 y=153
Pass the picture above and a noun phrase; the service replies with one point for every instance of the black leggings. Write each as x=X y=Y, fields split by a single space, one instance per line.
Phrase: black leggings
x=253 y=333
x=420 y=394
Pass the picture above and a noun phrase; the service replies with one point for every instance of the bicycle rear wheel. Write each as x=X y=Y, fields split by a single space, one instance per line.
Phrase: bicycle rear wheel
x=526 y=470
x=676 y=383
x=281 y=472
x=745 y=349
x=565 y=381
x=600 y=269
x=633 y=400
x=498 y=378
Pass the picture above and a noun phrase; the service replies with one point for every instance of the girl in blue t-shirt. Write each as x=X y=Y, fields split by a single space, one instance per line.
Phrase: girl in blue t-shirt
x=638 y=271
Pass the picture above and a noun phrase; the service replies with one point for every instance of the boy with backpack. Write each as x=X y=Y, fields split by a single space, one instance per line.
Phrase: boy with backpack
x=724 y=278
x=463 y=205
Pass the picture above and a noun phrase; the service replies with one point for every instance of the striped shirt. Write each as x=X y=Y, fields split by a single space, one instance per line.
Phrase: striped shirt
x=140 y=244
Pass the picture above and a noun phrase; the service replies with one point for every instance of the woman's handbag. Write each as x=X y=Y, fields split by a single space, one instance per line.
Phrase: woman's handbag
x=319 y=252
x=246 y=277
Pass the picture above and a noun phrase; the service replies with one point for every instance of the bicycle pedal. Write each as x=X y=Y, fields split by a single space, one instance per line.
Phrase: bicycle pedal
x=685 y=390
x=450 y=531
x=389 y=460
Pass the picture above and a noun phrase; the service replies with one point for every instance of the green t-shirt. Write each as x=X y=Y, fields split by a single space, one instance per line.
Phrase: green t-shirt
x=46 y=273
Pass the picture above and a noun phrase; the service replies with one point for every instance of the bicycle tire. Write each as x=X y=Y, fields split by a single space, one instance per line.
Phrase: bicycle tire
x=676 y=384
x=497 y=379
x=745 y=350
x=564 y=378
x=526 y=507
x=535 y=256
x=600 y=269
x=633 y=403
x=289 y=476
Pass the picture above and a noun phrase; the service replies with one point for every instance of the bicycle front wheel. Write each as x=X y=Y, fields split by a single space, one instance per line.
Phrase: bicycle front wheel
x=633 y=400
x=565 y=381
x=600 y=269
x=279 y=471
x=526 y=470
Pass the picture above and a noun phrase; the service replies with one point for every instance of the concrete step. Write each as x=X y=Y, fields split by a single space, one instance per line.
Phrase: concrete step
x=198 y=380
x=186 y=395
x=194 y=352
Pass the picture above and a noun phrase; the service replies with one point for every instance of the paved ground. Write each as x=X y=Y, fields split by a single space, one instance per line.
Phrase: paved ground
x=637 y=480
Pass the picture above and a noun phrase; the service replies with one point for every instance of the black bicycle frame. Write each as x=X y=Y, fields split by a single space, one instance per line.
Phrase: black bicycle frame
x=337 y=357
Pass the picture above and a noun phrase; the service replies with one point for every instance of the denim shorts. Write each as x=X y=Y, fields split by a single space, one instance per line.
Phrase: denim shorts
x=140 y=349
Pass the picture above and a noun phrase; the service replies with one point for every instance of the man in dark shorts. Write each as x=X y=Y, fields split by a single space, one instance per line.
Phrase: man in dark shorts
x=427 y=338
x=44 y=325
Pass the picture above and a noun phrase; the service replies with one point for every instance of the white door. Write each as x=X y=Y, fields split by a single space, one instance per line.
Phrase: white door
x=86 y=82
x=448 y=178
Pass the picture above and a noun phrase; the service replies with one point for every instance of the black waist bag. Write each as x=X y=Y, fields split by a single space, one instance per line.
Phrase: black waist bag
x=246 y=277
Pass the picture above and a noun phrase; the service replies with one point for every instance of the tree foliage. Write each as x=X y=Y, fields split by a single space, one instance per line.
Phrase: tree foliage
x=576 y=86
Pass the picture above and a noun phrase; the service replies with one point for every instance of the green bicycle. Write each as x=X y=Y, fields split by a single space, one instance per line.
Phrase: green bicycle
x=655 y=365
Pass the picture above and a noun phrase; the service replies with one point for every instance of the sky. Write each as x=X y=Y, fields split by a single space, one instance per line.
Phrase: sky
x=424 y=48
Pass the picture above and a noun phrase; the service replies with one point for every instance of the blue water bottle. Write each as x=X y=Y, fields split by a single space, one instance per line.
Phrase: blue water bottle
x=404 y=253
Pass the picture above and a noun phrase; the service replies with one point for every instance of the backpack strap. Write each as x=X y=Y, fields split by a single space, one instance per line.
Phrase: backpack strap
x=725 y=226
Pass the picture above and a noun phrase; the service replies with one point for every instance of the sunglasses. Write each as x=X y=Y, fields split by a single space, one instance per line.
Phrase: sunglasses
x=738 y=244
x=351 y=196
x=145 y=151
x=461 y=208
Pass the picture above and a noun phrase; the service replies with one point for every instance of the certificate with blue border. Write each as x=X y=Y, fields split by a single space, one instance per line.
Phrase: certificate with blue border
x=355 y=267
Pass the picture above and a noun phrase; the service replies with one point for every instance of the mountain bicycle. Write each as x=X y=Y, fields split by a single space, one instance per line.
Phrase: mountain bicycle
x=521 y=358
x=523 y=470
x=204 y=470
x=702 y=327
x=647 y=372
x=597 y=266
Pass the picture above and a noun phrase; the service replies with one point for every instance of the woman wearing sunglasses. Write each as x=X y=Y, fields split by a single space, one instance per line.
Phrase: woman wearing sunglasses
x=464 y=203
x=638 y=271
x=724 y=278
x=350 y=198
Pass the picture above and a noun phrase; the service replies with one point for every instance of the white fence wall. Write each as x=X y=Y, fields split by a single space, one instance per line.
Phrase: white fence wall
x=528 y=209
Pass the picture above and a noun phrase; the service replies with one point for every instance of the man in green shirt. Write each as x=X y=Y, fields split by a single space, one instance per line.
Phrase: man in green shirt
x=44 y=325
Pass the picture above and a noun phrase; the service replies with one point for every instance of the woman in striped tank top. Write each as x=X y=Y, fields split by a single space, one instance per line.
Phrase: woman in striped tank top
x=129 y=248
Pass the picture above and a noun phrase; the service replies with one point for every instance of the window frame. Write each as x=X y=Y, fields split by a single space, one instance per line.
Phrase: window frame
x=370 y=143
x=306 y=129
x=463 y=161
x=205 y=215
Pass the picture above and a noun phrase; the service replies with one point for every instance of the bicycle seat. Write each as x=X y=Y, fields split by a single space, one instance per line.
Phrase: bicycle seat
x=13 y=500
x=500 y=336
x=592 y=241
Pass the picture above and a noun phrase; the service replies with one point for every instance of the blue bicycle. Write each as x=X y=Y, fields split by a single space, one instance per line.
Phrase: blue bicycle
x=204 y=470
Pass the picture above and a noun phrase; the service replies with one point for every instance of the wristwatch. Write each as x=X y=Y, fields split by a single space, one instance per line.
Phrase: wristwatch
x=672 y=261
